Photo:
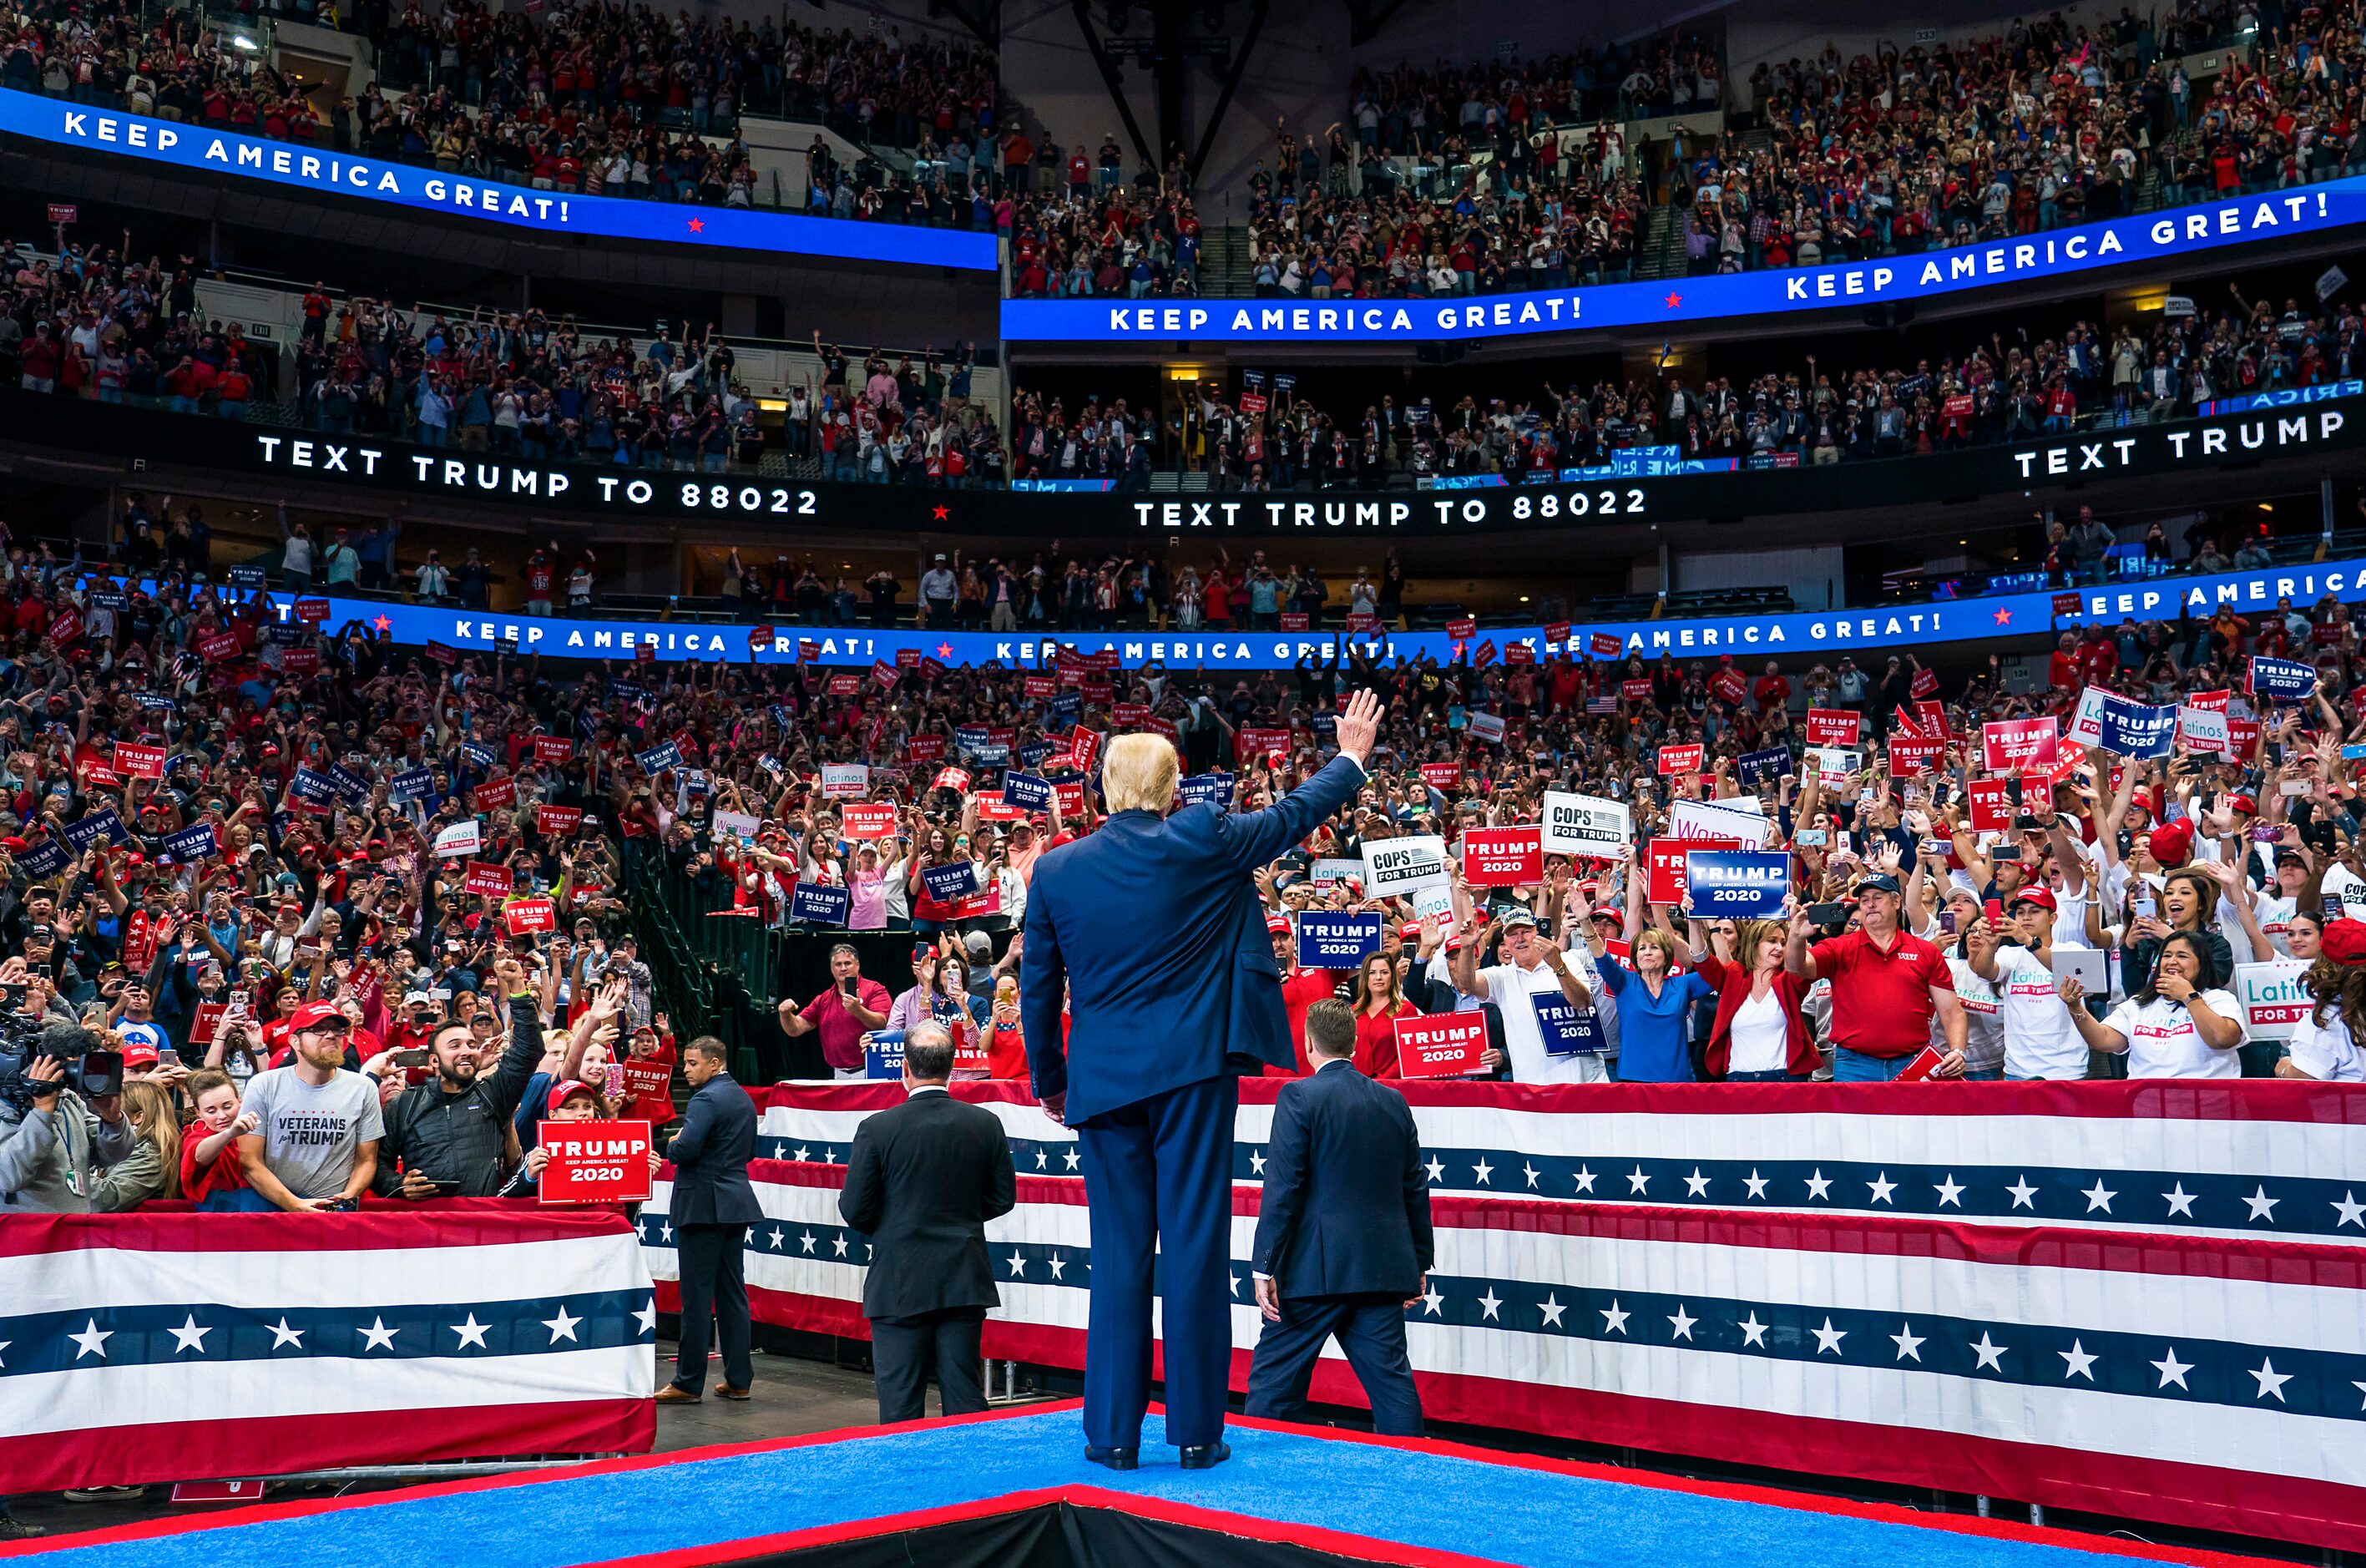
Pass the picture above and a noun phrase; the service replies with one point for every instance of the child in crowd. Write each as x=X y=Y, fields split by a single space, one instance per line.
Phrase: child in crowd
x=209 y=1169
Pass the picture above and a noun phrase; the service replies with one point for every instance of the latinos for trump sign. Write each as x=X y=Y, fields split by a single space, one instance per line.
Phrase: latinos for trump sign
x=595 y=1162
x=1585 y=825
x=1399 y=865
x=2274 y=996
x=1331 y=939
x=1732 y=884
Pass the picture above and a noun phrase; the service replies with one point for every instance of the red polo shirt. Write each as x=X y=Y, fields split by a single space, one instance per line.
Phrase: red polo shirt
x=1881 y=1000
x=1300 y=990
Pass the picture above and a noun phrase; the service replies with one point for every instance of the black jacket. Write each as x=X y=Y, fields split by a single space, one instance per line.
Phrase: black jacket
x=1346 y=1208
x=710 y=1154
x=460 y=1137
x=921 y=1181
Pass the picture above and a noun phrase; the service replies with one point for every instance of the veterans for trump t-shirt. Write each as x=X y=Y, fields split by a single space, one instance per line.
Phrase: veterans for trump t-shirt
x=312 y=1134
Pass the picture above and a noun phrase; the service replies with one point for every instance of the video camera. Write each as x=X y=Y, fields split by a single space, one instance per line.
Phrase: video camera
x=92 y=1070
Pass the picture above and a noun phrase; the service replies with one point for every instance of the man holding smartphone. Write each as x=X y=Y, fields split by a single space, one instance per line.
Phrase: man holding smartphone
x=842 y=1014
x=448 y=1132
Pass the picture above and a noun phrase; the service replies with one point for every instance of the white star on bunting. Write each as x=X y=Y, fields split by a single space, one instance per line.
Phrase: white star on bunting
x=2351 y=1211
x=1819 y=1184
x=378 y=1336
x=1753 y=1331
x=1828 y=1337
x=1638 y=1181
x=1683 y=1322
x=2262 y=1206
x=1552 y=1309
x=1257 y=1162
x=2271 y=1381
x=283 y=1335
x=1483 y=1173
x=1949 y=1192
x=1755 y=1182
x=1489 y=1303
x=1990 y=1354
x=1017 y=1265
x=1696 y=1185
x=2180 y=1200
x=2173 y=1371
x=1436 y=1168
x=471 y=1333
x=1530 y=1171
x=1881 y=1187
x=1585 y=1179
x=91 y=1341
x=2079 y=1360
x=2099 y=1197
x=1614 y=1320
x=2021 y=1193
x=1909 y=1344
x=562 y=1327
x=188 y=1337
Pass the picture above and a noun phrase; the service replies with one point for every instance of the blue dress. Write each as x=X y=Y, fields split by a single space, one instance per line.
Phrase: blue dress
x=1651 y=1029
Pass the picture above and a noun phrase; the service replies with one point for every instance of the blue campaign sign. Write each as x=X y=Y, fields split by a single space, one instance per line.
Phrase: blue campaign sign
x=2282 y=680
x=1764 y=767
x=137 y=138
x=306 y=784
x=882 y=1053
x=476 y=756
x=348 y=783
x=2135 y=729
x=1688 y=303
x=817 y=906
x=46 y=857
x=1215 y=789
x=192 y=844
x=657 y=758
x=1331 y=939
x=1566 y=1031
x=97 y=826
x=415 y=783
x=1819 y=633
x=1027 y=792
x=1737 y=884
x=947 y=883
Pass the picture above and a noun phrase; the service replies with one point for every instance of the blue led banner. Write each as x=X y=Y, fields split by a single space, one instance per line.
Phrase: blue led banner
x=1682 y=303
x=1803 y=632
x=63 y=124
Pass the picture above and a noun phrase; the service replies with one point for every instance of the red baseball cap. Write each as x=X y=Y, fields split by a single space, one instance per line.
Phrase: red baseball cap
x=561 y=1090
x=1276 y=925
x=313 y=1015
x=2041 y=897
x=139 y=1054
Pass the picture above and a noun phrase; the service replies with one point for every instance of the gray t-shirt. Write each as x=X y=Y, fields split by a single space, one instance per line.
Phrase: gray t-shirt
x=311 y=1136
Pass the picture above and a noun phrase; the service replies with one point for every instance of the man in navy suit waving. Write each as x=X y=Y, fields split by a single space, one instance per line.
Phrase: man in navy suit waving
x=1152 y=930
x=1343 y=1235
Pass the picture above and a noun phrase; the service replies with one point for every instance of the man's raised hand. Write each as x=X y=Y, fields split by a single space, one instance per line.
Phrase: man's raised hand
x=1360 y=727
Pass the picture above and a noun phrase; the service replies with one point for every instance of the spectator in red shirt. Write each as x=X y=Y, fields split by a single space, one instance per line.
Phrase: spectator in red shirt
x=209 y=1167
x=843 y=1014
x=1378 y=1007
x=1887 y=984
x=2099 y=656
x=1772 y=690
x=2063 y=671
x=1301 y=988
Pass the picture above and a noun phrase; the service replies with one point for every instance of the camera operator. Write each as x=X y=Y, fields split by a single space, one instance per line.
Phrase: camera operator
x=53 y=1142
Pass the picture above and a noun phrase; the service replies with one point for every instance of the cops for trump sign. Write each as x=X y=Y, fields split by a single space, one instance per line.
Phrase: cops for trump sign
x=1399 y=865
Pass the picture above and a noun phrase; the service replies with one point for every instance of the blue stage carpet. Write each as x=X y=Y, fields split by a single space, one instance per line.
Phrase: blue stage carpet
x=1452 y=1502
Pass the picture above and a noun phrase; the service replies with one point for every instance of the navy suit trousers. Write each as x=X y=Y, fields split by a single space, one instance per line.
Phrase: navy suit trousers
x=1158 y=1182
x=1371 y=1330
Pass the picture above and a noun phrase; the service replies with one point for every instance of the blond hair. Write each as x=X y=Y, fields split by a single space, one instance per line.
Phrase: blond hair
x=1138 y=774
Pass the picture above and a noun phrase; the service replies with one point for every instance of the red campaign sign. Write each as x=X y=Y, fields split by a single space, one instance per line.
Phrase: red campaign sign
x=1605 y=645
x=1161 y=727
x=1730 y=686
x=1674 y=760
x=1097 y=690
x=1556 y=632
x=2009 y=744
x=64 y=213
x=311 y=612
x=139 y=761
x=1636 y=691
x=65 y=627
x=645 y=1079
x=558 y=821
x=553 y=748
x=595 y=1162
x=862 y=819
x=489 y=877
x=1085 y=745
x=1070 y=794
x=1295 y=620
x=1441 y=776
x=759 y=636
x=1909 y=724
x=978 y=905
x=646 y=653
x=300 y=661
x=1664 y=878
x=1502 y=857
x=1518 y=653
x=1930 y=718
x=1834 y=726
x=1129 y=716
x=908 y=658
x=930 y=669
x=950 y=778
x=1462 y=630
x=2210 y=702
x=2069 y=754
x=528 y=915
x=2243 y=736
x=1441 y=1045
x=845 y=685
x=887 y=674
x=1912 y=755
x=925 y=748
x=1925 y=682
x=1991 y=805
x=219 y=647
x=1484 y=654
x=1107 y=658
x=807 y=650
x=1039 y=687
x=994 y=809
x=206 y=1020
x=1265 y=741
x=495 y=792
x=2065 y=604
x=1365 y=622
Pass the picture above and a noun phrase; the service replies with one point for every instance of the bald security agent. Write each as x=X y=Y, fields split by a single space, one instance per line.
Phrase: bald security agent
x=1152 y=930
x=713 y=1204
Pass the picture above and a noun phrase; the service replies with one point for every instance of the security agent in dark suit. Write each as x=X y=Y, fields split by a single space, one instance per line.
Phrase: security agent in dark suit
x=1343 y=1235
x=713 y=1207
x=921 y=1181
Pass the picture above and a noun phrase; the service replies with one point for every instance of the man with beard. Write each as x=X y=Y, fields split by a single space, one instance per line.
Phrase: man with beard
x=447 y=1133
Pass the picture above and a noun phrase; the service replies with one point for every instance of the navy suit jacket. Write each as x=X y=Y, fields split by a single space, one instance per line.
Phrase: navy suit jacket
x=1346 y=1207
x=1154 y=926
x=710 y=1154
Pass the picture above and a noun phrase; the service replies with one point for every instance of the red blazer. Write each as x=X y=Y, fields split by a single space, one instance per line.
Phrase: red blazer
x=1732 y=986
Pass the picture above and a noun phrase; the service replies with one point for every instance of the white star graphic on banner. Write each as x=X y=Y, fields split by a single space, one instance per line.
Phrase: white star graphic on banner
x=1909 y=1344
x=1755 y=1182
x=665 y=1231
x=188 y=1337
x=1696 y=1185
x=2354 y=1382
x=1042 y=1160
x=2351 y=1211
x=562 y=1327
x=1753 y=1331
x=1552 y=1309
x=1881 y=1187
x=283 y=1335
x=378 y=1336
x=1017 y=1265
x=471 y=1333
x=1828 y=1337
x=2271 y=1381
x=1637 y=1181
x=2079 y=1360
x=1483 y=1173
x=2021 y=1193
x=2262 y=1206
x=2180 y=1200
x=3 y=1345
x=1819 y=1184
x=800 y=1155
x=1075 y=1160
x=2099 y=1197
x=1431 y=1301
x=1436 y=1168
x=1530 y=1171
x=1683 y=1322
x=1257 y=1162
x=779 y=1239
x=1585 y=1179
x=1614 y=1320
x=1990 y=1354
x=1059 y=1266
x=1489 y=1303
x=1949 y=1192
x=648 y=1318
x=839 y=1242
x=91 y=1341
x=807 y=1241
x=2173 y=1370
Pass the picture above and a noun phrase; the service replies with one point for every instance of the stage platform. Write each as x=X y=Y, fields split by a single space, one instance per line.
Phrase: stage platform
x=1013 y=1489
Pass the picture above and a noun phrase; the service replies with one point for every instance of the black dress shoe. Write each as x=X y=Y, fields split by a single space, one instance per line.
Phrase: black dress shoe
x=1206 y=1456
x=1116 y=1459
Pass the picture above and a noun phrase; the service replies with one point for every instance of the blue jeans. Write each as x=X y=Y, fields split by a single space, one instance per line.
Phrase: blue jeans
x=1855 y=1066
x=238 y=1201
x=1985 y=1074
x=1773 y=1075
